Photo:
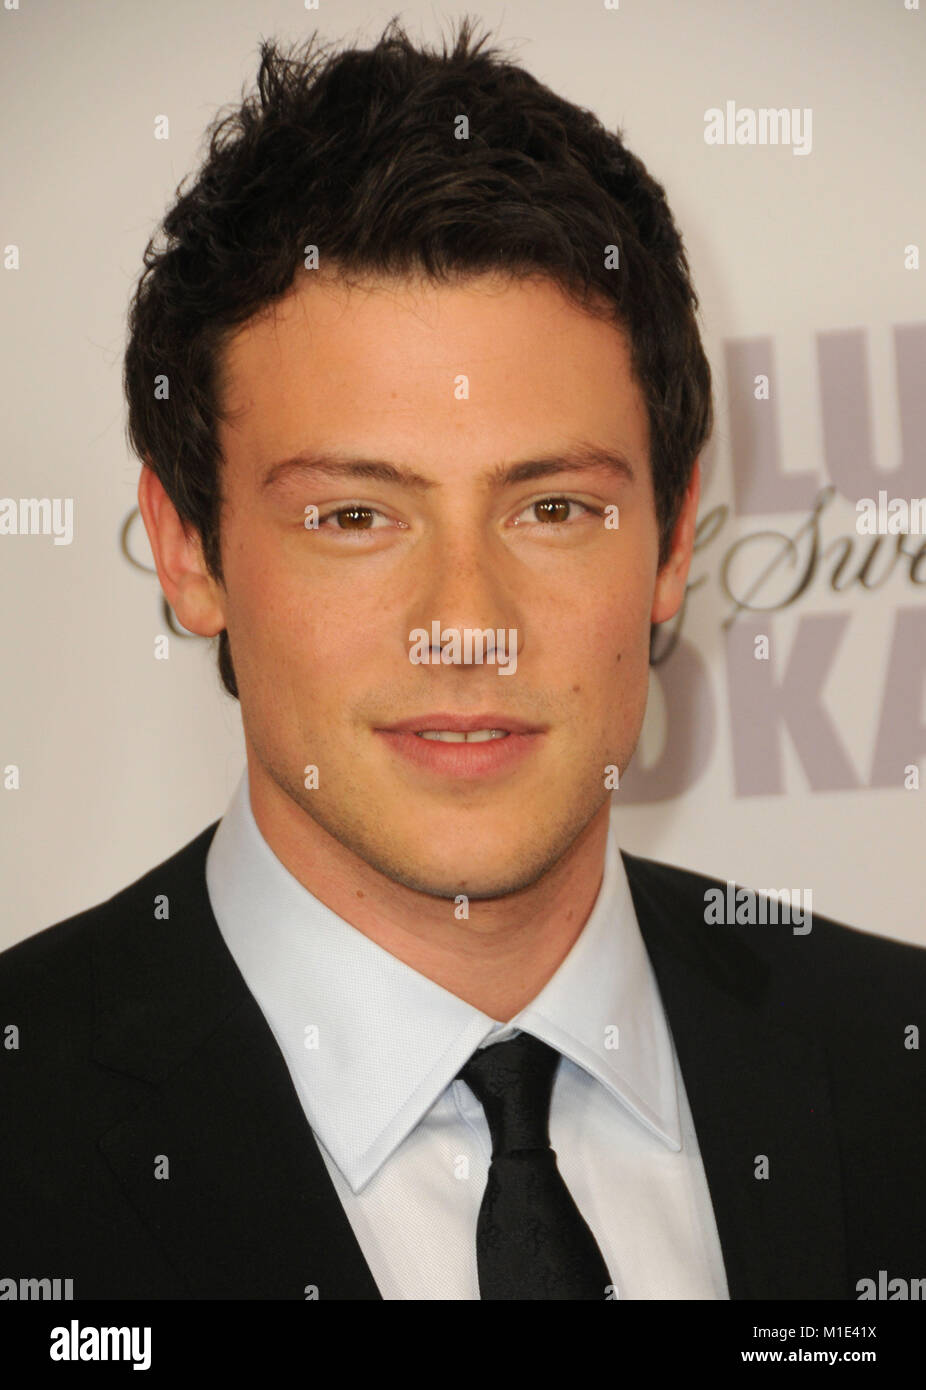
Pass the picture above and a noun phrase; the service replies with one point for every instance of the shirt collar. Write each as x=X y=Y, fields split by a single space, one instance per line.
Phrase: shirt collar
x=371 y=1044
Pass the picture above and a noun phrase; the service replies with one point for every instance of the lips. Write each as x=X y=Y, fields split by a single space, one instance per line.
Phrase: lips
x=463 y=724
x=460 y=757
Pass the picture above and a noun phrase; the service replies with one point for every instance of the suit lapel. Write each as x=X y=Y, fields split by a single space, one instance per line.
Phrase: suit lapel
x=244 y=1207
x=756 y=1080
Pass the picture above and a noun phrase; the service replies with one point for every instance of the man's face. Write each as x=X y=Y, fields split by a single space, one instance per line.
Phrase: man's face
x=448 y=383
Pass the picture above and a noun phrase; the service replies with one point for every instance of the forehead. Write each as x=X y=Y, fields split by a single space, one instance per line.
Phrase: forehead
x=402 y=357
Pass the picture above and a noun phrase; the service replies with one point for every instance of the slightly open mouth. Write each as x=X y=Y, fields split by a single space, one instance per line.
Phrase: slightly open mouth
x=454 y=736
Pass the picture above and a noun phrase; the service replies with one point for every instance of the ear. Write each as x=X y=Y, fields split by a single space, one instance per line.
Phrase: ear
x=193 y=594
x=672 y=578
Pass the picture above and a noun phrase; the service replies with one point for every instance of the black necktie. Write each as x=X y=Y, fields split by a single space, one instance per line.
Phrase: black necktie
x=531 y=1238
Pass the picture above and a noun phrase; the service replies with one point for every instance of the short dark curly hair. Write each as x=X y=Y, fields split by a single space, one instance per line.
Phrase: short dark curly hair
x=355 y=152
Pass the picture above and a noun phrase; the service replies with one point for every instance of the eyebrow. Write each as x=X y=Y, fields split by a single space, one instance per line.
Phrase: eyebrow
x=578 y=458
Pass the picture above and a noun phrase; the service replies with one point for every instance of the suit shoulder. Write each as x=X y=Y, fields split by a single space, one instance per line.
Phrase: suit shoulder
x=838 y=948
x=50 y=953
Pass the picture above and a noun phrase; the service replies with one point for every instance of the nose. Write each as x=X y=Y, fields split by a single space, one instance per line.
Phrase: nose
x=466 y=583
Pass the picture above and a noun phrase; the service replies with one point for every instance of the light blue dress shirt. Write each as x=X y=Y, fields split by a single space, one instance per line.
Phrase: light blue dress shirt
x=373 y=1049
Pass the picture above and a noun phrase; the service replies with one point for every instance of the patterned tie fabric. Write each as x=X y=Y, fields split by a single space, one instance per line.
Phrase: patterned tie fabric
x=531 y=1239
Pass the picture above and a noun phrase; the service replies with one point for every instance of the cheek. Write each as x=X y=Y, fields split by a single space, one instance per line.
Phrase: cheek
x=266 y=605
x=303 y=644
x=617 y=624
x=611 y=657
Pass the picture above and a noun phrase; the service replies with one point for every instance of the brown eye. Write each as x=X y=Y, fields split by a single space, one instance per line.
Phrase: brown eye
x=557 y=509
x=362 y=516
x=350 y=520
x=553 y=509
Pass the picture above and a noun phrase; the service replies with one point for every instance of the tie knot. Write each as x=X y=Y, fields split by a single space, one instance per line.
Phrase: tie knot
x=514 y=1081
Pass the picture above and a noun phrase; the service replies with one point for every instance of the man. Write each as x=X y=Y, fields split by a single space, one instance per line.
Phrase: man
x=417 y=384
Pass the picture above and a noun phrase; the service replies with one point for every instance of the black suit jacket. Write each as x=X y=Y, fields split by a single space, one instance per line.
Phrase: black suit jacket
x=139 y=1038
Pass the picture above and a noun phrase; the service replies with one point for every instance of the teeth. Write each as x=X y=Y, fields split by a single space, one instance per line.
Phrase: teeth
x=454 y=736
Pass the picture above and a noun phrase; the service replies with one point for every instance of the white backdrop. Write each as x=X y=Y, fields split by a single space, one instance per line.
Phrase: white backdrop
x=799 y=261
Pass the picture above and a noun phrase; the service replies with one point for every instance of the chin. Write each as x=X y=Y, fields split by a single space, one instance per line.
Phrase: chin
x=474 y=876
